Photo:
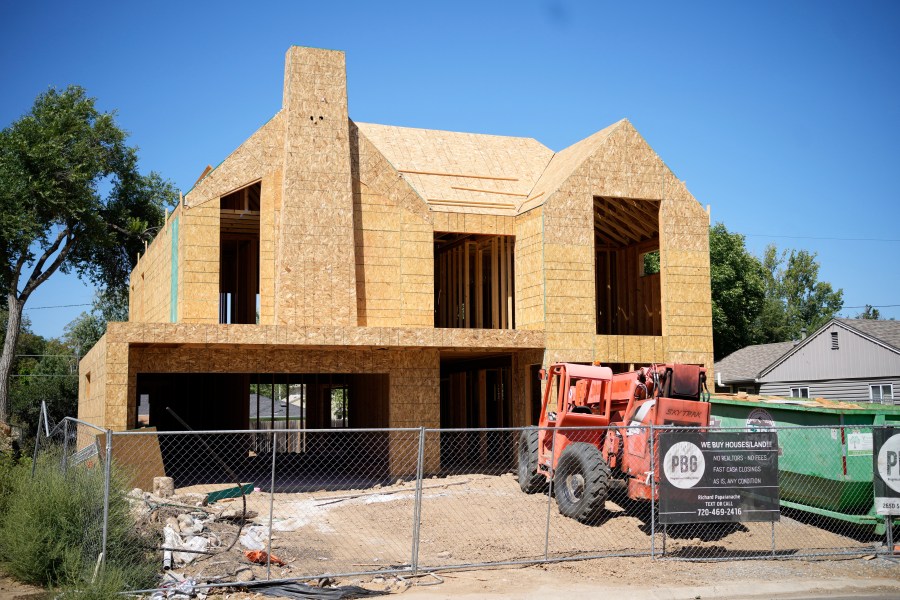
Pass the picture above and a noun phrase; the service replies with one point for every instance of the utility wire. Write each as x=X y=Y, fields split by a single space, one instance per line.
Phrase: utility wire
x=809 y=237
x=57 y=306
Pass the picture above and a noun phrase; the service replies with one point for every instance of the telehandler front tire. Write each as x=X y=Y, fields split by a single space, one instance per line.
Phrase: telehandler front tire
x=581 y=482
x=530 y=480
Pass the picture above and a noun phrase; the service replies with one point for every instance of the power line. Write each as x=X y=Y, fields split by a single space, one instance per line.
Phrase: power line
x=829 y=239
x=873 y=306
x=57 y=306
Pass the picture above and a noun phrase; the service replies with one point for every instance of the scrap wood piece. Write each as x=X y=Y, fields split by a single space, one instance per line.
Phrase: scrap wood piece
x=232 y=492
x=334 y=499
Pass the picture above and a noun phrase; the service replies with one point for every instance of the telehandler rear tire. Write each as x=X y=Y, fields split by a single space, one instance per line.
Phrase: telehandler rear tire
x=529 y=479
x=581 y=482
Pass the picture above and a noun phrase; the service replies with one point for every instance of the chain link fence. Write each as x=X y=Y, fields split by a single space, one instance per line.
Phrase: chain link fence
x=235 y=506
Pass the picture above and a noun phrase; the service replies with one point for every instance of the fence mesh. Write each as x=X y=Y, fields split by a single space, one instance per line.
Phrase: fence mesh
x=293 y=504
x=71 y=457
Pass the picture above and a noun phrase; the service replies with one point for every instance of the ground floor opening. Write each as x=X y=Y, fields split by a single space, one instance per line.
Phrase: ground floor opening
x=305 y=407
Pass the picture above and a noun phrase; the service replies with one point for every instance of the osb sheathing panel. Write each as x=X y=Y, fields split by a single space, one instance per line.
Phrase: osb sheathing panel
x=414 y=375
x=617 y=162
x=149 y=294
x=258 y=158
x=463 y=172
x=92 y=398
x=392 y=242
x=521 y=381
x=316 y=272
x=529 y=270
x=270 y=198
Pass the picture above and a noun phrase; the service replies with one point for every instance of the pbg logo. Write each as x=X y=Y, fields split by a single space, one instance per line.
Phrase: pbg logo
x=889 y=463
x=684 y=465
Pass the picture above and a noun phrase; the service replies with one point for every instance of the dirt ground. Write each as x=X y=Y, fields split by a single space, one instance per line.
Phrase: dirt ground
x=472 y=519
x=11 y=589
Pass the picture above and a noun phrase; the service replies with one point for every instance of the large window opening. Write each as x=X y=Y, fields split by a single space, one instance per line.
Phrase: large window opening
x=626 y=242
x=474 y=281
x=306 y=419
x=239 y=256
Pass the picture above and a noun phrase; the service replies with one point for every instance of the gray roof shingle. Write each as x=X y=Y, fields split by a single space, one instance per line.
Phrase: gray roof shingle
x=747 y=363
x=885 y=331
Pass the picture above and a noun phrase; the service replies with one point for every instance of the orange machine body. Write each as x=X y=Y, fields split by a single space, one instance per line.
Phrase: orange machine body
x=615 y=412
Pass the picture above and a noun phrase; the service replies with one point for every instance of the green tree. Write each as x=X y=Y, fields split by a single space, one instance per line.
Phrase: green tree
x=42 y=369
x=86 y=329
x=869 y=312
x=71 y=200
x=795 y=298
x=738 y=290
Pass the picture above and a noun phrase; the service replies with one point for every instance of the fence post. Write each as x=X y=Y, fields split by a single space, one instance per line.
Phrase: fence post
x=42 y=416
x=271 y=506
x=106 y=486
x=549 y=488
x=417 y=512
x=65 y=452
x=652 y=495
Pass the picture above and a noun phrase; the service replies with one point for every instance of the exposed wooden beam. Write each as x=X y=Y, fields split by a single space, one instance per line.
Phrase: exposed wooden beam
x=463 y=175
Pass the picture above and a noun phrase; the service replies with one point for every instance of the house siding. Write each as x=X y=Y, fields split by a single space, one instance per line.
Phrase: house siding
x=852 y=390
x=856 y=358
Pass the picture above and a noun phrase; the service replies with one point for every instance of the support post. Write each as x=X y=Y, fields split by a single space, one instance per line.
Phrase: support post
x=272 y=501
x=65 y=453
x=889 y=534
x=417 y=512
x=549 y=487
x=107 y=470
x=773 y=539
x=37 y=439
x=652 y=495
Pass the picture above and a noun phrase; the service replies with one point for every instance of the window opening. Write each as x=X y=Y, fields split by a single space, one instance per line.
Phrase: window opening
x=627 y=266
x=474 y=281
x=239 y=255
x=799 y=392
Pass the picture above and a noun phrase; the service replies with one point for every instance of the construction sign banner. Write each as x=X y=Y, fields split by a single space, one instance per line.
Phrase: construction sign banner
x=886 y=476
x=718 y=477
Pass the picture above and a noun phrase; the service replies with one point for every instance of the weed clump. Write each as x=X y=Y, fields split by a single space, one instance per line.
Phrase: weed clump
x=51 y=531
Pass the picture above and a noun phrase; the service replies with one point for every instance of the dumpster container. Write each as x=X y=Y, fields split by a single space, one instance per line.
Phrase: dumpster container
x=826 y=468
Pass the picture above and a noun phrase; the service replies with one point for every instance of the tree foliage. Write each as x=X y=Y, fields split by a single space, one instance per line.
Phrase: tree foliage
x=869 y=312
x=756 y=301
x=87 y=328
x=795 y=298
x=738 y=291
x=71 y=200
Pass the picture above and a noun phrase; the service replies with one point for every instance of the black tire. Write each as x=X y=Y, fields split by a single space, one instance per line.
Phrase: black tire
x=529 y=479
x=581 y=482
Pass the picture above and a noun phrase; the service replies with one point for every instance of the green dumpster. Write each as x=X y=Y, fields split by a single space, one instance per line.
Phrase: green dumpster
x=825 y=468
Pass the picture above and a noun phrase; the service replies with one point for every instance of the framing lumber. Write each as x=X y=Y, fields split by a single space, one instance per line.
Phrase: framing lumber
x=463 y=175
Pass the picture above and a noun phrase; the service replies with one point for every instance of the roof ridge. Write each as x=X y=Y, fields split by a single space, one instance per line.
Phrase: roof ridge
x=493 y=135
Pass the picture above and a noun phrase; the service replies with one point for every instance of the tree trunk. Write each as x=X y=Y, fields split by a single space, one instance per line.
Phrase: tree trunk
x=13 y=325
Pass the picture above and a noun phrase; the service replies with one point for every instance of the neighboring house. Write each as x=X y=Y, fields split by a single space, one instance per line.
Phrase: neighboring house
x=846 y=359
x=856 y=360
x=738 y=372
x=423 y=277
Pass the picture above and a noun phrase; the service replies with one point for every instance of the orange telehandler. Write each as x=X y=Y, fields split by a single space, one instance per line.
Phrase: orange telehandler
x=582 y=462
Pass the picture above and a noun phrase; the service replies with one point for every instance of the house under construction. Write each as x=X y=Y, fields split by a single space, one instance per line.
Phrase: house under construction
x=415 y=277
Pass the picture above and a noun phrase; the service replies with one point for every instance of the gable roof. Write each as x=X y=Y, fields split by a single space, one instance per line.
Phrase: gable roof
x=564 y=164
x=883 y=333
x=747 y=363
x=887 y=332
x=450 y=170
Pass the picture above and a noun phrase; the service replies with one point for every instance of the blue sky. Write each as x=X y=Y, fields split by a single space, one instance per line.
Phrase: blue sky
x=782 y=116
